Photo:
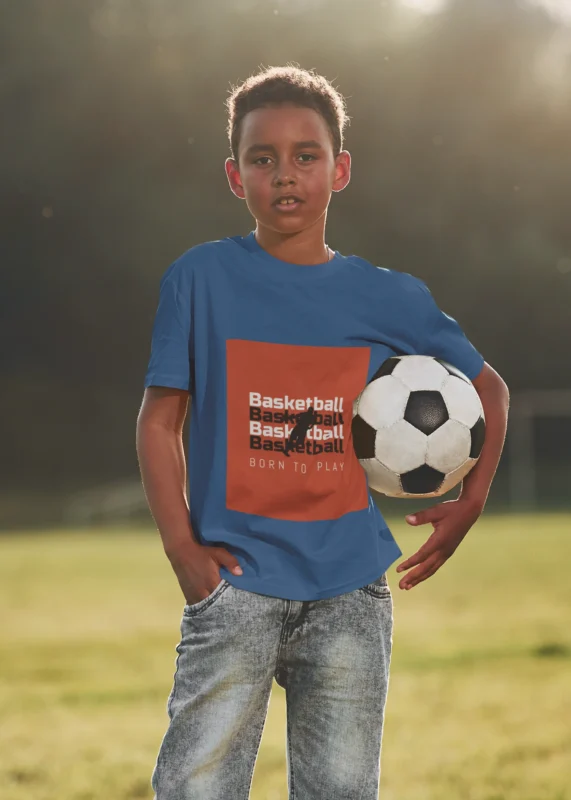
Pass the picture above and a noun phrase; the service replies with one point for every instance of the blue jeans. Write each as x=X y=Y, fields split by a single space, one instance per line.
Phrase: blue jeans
x=331 y=656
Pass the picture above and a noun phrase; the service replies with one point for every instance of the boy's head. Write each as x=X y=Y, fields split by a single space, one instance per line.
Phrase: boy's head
x=268 y=116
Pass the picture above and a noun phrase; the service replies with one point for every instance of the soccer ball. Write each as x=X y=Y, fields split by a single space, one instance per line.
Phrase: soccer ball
x=418 y=427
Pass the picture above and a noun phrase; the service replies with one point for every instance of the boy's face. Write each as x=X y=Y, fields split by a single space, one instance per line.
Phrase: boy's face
x=282 y=166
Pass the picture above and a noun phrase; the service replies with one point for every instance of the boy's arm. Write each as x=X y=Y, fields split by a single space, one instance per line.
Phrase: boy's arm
x=162 y=463
x=495 y=398
x=453 y=519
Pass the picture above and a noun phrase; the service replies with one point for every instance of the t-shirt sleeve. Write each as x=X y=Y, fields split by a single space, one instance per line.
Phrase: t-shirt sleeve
x=171 y=359
x=442 y=337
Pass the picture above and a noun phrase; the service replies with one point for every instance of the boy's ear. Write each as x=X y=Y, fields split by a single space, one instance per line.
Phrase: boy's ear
x=342 y=171
x=233 y=175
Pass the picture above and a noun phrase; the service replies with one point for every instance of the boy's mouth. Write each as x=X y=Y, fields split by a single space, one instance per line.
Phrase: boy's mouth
x=288 y=203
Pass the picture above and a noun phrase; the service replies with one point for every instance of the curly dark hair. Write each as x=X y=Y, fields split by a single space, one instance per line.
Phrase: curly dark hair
x=290 y=84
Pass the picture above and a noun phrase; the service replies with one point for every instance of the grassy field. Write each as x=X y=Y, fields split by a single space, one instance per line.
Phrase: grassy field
x=479 y=703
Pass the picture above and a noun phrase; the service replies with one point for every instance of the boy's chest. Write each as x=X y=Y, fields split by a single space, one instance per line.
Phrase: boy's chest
x=308 y=319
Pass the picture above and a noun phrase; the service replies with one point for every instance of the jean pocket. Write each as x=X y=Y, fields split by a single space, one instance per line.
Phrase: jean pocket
x=378 y=588
x=201 y=605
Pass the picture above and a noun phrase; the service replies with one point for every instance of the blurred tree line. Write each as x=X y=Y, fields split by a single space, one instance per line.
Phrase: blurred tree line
x=113 y=143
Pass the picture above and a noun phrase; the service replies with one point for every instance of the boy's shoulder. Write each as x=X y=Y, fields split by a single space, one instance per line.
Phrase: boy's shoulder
x=192 y=258
x=403 y=281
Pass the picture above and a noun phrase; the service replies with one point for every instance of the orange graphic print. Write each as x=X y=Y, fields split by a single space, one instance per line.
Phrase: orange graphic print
x=289 y=408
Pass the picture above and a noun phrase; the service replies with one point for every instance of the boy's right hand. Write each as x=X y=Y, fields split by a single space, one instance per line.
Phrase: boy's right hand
x=197 y=568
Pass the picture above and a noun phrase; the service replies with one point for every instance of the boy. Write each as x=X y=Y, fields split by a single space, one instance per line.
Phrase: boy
x=282 y=555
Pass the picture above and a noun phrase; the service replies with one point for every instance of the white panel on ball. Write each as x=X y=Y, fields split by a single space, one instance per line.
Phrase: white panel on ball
x=383 y=402
x=462 y=401
x=448 y=447
x=401 y=447
x=380 y=478
x=454 y=478
x=420 y=373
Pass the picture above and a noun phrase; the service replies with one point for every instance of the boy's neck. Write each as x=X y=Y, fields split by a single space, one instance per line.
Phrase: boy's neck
x=306 y=248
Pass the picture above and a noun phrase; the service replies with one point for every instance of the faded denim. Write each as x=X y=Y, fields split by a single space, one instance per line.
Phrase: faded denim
x=332 y=657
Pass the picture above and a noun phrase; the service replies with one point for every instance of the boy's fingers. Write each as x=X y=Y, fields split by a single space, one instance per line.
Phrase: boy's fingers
x=431 y=571
x=420 y=568
x=227 y=559
x=416 y=558
x=421 y=517
x=420 y=572
x=425 y=575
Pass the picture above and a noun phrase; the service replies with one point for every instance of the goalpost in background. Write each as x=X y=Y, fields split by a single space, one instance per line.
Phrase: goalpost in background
x=526 y=407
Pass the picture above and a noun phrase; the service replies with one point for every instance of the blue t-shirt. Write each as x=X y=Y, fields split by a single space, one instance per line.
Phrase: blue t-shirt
x=273 y=355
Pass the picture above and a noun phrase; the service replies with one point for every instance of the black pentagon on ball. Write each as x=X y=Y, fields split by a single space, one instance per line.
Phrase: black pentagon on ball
x=478 y=434
x=386 y=368
x=363 y=437
x=453 y=370
x=422 y=480
x=426 y=411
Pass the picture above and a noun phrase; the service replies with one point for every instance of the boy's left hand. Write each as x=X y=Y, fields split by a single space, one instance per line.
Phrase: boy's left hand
x=452 y=520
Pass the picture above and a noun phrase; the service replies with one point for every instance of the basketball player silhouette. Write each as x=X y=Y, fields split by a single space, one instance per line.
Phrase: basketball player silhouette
x=305 y=421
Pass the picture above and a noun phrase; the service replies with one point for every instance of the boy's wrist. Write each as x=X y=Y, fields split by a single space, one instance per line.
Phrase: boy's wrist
x=180 y=549
x=475 y=499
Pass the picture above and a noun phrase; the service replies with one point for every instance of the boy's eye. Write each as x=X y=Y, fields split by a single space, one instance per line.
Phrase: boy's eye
x=301 y=154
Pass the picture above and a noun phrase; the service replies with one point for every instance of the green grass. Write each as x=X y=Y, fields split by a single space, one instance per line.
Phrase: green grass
x=479 y=702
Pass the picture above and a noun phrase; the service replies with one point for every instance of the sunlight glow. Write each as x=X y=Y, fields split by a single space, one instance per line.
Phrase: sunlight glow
x=558 y=9
x=426 y=6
